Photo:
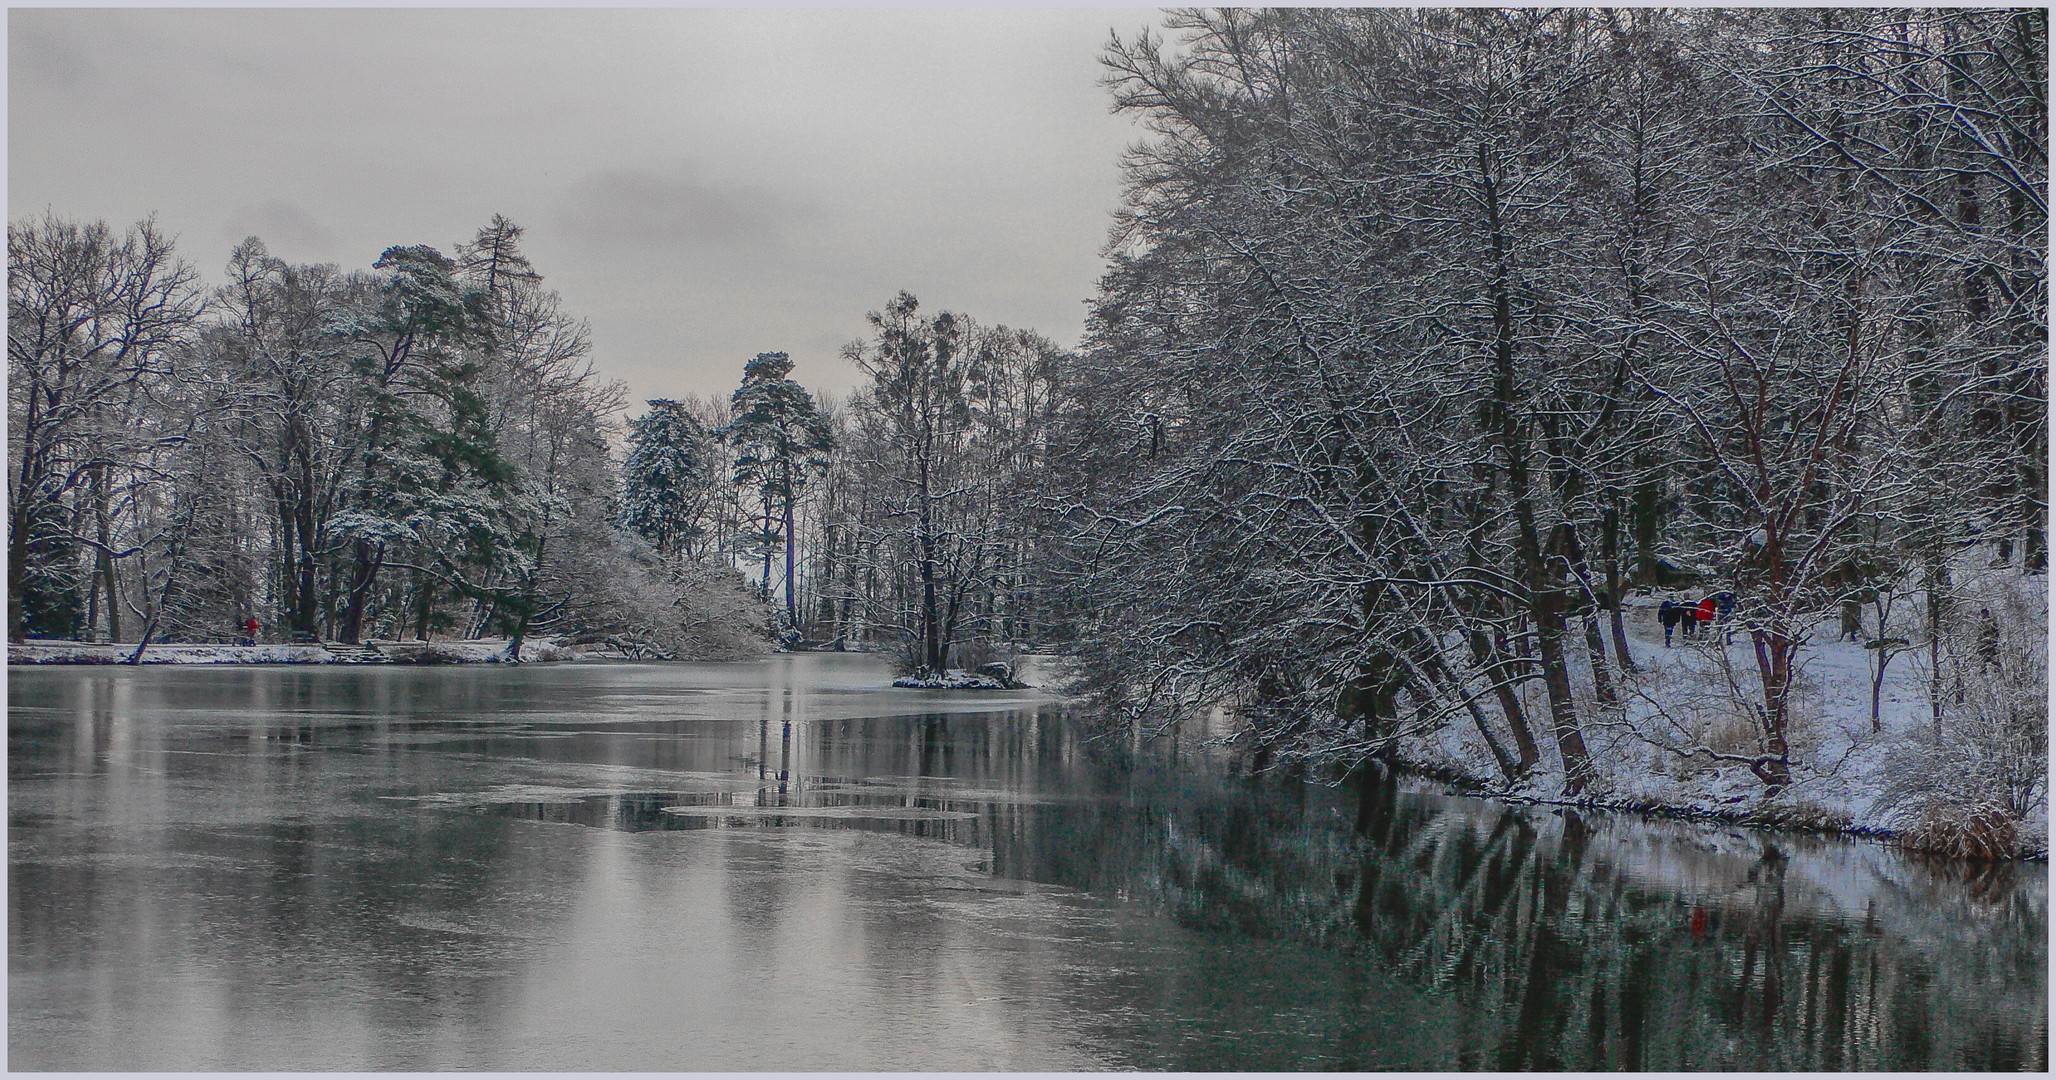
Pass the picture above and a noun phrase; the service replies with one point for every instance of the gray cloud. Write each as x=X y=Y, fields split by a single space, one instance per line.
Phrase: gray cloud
x=702 y=184
x=43 y=56
x=286 y=228
x=673 y=208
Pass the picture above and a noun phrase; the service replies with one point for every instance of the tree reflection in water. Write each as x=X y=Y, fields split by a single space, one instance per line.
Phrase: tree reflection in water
x=1600 y=942
x=317 y=854
x=1571 y=940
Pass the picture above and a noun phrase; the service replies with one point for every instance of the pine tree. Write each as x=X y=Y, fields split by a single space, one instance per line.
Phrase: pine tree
x=780 y=441
x=667 y=479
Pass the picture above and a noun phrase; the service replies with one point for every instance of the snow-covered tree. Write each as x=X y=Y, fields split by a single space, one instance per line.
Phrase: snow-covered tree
x=780 y=442
x=1426 y=335
x=669 y=478
x=91 y=321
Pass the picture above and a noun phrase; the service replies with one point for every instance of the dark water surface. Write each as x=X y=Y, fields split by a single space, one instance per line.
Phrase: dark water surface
x=777 y=865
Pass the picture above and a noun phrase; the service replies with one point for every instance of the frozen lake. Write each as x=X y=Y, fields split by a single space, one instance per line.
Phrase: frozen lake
x=780 y=865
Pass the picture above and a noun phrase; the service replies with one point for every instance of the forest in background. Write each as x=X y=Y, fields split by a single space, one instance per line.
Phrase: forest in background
x=420 y=449
x=1427 y=339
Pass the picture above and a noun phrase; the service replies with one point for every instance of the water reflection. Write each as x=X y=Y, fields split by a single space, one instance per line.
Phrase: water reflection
x=633 y=866
x=1612 y=943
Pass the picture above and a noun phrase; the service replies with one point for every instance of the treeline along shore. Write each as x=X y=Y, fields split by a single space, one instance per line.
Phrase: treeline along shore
x=1437 y=355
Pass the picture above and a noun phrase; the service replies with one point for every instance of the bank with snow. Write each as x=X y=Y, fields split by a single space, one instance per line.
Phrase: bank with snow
x=1941 y=746
x=480 y=651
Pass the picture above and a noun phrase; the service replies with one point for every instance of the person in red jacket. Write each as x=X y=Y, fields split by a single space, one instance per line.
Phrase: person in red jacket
x=1705 y=611
x=250 y=631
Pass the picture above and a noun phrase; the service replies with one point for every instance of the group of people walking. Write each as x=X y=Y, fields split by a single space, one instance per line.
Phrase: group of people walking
x=1674 y=614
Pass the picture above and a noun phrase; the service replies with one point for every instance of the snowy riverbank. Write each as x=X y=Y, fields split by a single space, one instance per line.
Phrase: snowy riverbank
x=1027 y=671
x=1903 y=775
x=481 y=651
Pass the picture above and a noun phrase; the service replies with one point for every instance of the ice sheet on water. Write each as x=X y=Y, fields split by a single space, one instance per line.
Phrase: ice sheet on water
x=545 y=793
x=616 y=779
x=845 y=813
x=447 y=926
x=928 y=788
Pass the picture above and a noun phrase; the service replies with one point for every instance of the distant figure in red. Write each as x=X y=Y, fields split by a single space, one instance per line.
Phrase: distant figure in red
x=250 y=631
x=1698 y=923
x=1706 y=611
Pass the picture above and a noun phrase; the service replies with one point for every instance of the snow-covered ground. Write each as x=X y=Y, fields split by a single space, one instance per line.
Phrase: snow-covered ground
x=1027 y=671
x=36 y=651
x=481 y=651
x=953 y=679
x=1846 y=774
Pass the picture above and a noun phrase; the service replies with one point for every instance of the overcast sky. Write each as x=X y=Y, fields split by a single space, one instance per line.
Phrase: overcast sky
x=702 y=185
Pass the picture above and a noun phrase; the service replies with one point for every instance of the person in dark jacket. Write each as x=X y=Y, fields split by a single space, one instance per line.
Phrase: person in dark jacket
x=1667 y=614
x=1987 y=641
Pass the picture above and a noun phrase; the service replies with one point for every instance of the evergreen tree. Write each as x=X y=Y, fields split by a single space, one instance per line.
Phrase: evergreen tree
x=668 y=478
x=425 y=425
x=493 y=262
x=780 y=441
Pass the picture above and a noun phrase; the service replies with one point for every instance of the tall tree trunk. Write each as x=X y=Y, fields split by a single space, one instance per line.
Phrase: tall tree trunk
x=1774 y=666
x=769 y=521
x=424 y=604
x=17 y=576
x=153 y=608
x=1937 y=615
x=792 y=614
x=1545 y=600
x=1563 y=709
x=931 y=607
x=1645 y=508
x=934 y=650
x=828 y=560
x=22 y=495
x=306 y=593
x=367 y=558
x=847 y=608
x=150 y=606
x=1610 y=529
x=1493 y=662
x=1602 y=682
x=1439 y=672
x=103 y=569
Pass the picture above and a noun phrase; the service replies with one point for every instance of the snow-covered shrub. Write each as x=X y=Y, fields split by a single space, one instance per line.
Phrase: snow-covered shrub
x=1965 y=793
x=1982 y=830
x=715 y=615
x=433 y=652
x=628 y=598
x=953 y=679
x=546 y=652
x=1706 y=703
x=980 y=653
x=1801 y=814
x=1702 y=708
